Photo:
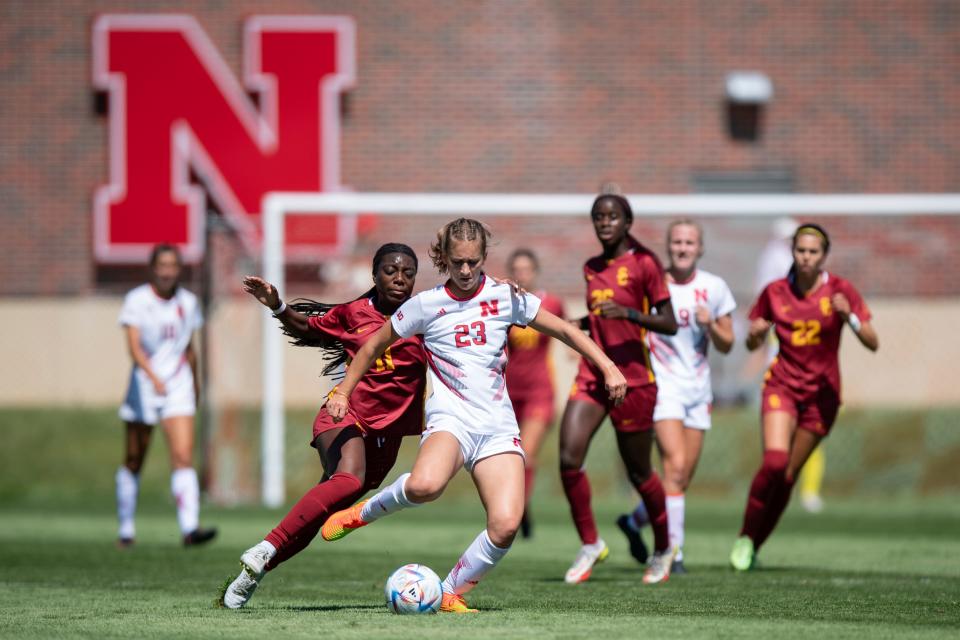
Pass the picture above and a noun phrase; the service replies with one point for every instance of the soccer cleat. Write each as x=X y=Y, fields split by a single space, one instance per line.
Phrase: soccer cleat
x=637 y=548
x=255 y=560
x=454 y=603
x=743 y=554
x=812 y=503
x=582 y=567
x=678 y=568
x=343 y=522
x=658 y=569
x=199 y=536
x=238 y=593
x=124 y=543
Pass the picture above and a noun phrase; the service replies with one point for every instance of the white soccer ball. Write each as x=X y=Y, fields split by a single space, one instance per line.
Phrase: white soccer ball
x=413 y=588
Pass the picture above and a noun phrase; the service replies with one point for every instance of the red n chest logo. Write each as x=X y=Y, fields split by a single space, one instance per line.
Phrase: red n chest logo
x=489 y=308
x=700 y=296
x=176 y=109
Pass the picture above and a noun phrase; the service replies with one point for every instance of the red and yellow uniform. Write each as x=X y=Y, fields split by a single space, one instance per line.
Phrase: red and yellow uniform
x=530 y=370
x=387 y=403
x=804 y=378
x=634 y=280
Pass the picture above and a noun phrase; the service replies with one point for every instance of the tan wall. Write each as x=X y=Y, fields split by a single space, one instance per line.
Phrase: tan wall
x=72 y=353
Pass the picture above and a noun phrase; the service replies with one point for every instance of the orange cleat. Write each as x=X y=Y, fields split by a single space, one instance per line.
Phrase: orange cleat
x=343 y=522
x=454 y=603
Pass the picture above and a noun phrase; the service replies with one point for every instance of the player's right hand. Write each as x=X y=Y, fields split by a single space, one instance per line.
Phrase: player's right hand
x=337 y=406
x=616 y=385
x=759 y=327
x=159 y=387
x=262 y=290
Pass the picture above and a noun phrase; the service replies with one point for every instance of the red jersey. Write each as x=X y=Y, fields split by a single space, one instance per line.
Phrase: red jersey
x=633 y=280
x=394 y=386
x=529 y=372
x=808 y=331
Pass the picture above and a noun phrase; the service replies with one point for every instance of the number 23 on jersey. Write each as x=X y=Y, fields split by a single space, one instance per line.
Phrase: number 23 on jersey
x=475 y=333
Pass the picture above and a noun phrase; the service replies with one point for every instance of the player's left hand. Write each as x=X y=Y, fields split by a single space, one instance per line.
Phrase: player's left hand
x=841 y=305
x=702 y=315
x=609 y=309
x=517 y=289
x=616 y=385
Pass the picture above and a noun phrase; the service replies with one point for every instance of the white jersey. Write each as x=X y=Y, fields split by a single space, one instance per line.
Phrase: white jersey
x=680 y=361
x=465 y=341
x=166 y=327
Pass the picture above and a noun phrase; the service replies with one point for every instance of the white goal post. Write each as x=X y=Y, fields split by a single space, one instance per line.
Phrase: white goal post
x=277 y=204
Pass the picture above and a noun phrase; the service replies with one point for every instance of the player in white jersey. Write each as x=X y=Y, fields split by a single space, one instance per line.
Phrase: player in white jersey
x=469 y=417
x=702 y=303
x=159 y=319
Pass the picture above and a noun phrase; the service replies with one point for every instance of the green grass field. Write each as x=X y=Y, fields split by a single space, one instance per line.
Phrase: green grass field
x=868 y=567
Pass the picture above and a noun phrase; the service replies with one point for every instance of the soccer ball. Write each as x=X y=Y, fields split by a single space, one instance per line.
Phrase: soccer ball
x=413 y=588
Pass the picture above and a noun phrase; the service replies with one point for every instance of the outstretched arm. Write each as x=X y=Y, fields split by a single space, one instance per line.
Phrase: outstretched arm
x=663 y=321
x=295 y=322
x=547 y=323
x=372 y=349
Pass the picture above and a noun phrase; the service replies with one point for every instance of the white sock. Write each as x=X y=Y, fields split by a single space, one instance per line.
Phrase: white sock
x=186 y=492
x=639 y=518
x=676 y=504
x=389 y=500
x=128 y=487
x=268 y=547
x=481 y=556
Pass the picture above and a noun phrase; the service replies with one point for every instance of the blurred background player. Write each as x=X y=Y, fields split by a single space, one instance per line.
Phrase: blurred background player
x=159 y=319
x=624 y=284
x=801 y=392
x=774 y=262
x=470 y=421
x=702 y=303
x=530 y=374
x=356 y=454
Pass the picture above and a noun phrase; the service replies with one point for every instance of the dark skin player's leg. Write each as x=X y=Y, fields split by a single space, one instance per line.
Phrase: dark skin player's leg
x=635 y=452
x=580 y=421
x=137 y=441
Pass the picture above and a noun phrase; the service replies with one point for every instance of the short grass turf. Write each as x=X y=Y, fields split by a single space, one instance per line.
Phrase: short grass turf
x=859 y=570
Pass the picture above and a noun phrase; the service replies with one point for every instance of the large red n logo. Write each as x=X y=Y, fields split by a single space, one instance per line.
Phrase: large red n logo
x=176 y=108
x=491 y=308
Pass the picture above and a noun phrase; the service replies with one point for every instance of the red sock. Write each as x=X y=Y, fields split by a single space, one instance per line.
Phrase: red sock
x=577 y=487
x=776 y=505
x=655 y=500
x=761 y=491
x=301 y=524
x=529 y=472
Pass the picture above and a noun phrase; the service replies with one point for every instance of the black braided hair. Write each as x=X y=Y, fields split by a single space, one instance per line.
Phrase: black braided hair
x=333 y=352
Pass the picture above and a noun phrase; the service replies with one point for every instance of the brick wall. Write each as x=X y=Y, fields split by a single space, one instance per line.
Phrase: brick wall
x=542 y=97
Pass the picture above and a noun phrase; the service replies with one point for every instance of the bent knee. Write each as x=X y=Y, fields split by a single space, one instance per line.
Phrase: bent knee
x=421 y=490
x=503 y=529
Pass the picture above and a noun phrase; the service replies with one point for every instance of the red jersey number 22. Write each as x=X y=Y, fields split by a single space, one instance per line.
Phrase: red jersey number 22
x=463 y=337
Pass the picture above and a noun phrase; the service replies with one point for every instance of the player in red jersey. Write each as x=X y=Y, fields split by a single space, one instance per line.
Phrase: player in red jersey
x=624 y=285
x=530 y=374
x=801 y=390
x=358 y=451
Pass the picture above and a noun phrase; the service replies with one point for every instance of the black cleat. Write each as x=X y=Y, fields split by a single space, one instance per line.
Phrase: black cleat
x=526 y=526
x=199 y=536
x=677 y=569
x=637 y=548
x=124 y=543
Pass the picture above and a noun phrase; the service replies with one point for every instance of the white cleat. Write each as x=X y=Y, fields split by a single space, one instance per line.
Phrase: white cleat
x=253 y=564
x=582 y=567
x=812 y=503
x=658 y=569
x=239 y=592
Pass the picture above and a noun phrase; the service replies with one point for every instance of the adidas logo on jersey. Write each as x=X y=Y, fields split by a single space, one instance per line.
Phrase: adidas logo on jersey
x=441 y=312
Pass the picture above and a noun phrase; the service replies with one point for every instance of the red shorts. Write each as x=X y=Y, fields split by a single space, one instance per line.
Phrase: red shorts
x=533 y=407
x=381 y=445
x=634 y=414
x=815 y=412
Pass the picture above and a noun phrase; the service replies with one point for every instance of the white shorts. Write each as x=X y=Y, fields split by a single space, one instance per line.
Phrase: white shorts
x=695 y=415
x=475 y=446
x=143 y=404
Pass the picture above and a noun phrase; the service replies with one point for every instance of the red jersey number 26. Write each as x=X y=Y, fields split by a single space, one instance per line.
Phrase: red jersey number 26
x=464 y=337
